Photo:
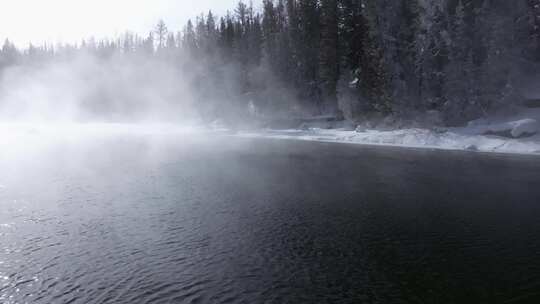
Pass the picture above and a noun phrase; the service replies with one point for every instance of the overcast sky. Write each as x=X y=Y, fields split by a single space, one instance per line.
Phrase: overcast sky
x=25 y=21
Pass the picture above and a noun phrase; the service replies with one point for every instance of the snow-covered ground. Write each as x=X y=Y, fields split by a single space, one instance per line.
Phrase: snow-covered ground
x=519 y=133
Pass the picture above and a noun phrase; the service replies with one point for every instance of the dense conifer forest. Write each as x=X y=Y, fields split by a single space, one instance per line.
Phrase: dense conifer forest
x=459 y=59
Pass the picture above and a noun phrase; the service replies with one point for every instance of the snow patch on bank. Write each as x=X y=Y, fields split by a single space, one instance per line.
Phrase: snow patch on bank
x=518 y=134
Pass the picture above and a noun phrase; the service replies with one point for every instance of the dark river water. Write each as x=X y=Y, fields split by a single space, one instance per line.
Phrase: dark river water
x=227 y=220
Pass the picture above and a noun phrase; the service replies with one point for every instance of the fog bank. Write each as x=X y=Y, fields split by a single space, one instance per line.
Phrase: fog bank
x=87 y=88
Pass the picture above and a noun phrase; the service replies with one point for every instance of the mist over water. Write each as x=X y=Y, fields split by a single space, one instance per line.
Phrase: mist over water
x=87 y=88
x=62 y=111
x=84 y=99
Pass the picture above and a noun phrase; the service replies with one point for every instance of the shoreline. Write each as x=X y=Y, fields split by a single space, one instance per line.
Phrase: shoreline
x=266 y=135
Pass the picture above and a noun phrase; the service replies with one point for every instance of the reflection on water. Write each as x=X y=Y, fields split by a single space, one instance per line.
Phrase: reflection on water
x=170 y=218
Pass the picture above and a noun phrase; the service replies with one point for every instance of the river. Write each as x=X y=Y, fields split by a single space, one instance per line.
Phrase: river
x=217 y=219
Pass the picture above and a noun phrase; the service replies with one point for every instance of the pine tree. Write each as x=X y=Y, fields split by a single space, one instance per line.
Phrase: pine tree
x=284 y=64
x=457 y=93
x=371 y=73
x=497 y=21
x=128 y=44
x=329 y=62
x=350 y=46
x=211 y=33
x=161 y=32
x=189 y=42
x=436 y=58
x=534 y=13
x=292 y=38
x=308 y=52
x=350 y=33
x=255 y=41
x=270 y=32
x=9 y=54
x=226 y=37
x=408 y=49
x=148 y=45
x=201 y=34
x=171 y=42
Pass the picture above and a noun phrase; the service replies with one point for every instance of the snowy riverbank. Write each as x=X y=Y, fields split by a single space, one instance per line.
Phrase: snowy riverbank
x=519 y=133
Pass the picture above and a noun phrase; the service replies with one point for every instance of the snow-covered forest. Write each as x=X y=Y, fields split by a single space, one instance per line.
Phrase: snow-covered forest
x=454 y=60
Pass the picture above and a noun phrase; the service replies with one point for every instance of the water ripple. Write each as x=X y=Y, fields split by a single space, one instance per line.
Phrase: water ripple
x=267 y=227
